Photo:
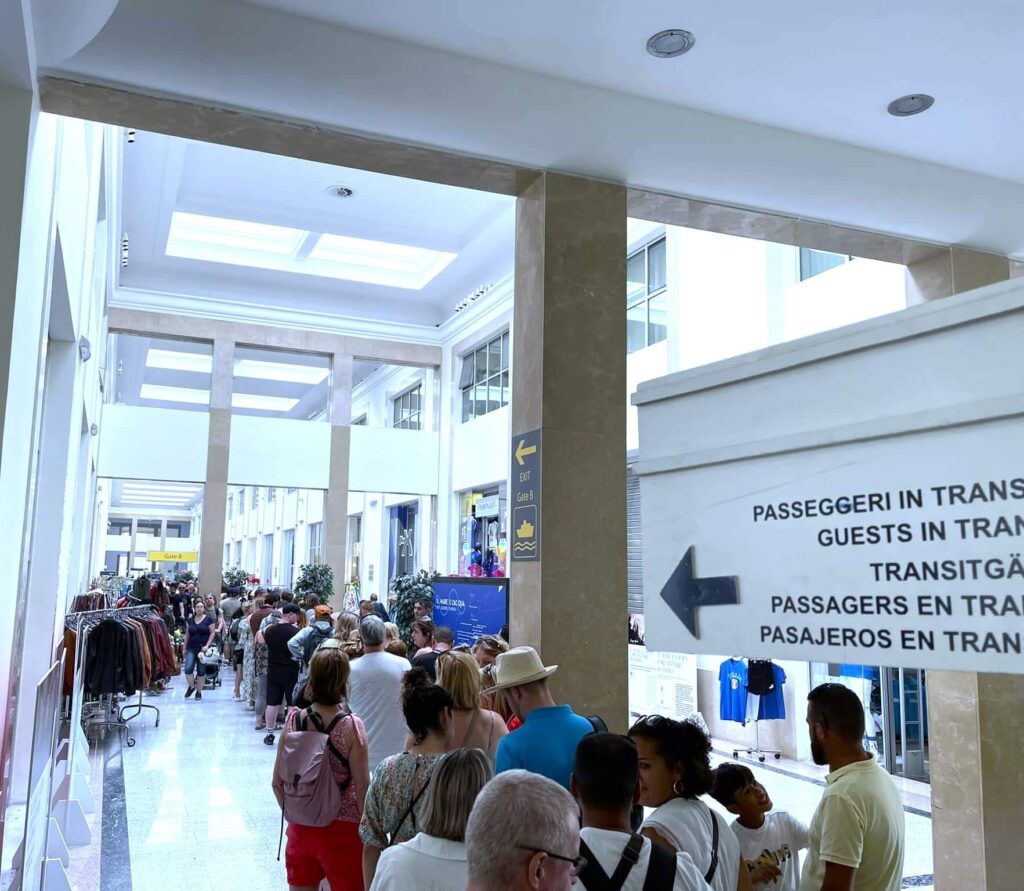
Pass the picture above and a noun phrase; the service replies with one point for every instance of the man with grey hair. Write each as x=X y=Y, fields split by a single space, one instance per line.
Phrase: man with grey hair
x=523 y=835
x=375 y=692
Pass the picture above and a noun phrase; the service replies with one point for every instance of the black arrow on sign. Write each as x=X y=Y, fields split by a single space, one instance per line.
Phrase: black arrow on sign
x=684 y=593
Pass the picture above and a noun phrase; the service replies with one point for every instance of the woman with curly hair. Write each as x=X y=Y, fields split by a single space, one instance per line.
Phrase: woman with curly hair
x=675 y=770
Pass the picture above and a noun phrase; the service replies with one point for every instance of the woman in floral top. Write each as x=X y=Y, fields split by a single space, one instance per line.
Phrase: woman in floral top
x=396 y=794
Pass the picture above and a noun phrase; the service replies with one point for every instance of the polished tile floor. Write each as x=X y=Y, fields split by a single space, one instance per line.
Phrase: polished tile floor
x=197 y=790
x=199 y=808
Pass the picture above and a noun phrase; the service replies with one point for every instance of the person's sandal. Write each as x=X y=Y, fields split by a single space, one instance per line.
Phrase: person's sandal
x=261 y=726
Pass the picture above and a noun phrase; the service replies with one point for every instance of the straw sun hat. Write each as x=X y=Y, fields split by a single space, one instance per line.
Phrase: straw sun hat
x=520 y=665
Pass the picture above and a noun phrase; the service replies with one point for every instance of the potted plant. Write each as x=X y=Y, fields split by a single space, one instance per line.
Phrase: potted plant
x=315 y=578
x=234 y=580
x=406 y=590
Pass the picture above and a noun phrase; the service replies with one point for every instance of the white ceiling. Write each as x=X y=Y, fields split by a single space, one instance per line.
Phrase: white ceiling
x=163 y=174
x=779 y=106
x=821 y=68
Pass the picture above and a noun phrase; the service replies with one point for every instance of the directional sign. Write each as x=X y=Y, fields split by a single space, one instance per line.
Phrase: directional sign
x=526 y=496
x=172 y=556
x=684 y=593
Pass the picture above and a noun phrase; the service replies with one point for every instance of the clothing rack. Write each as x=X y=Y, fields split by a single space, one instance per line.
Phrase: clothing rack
x=88 y=619
x=757 y=750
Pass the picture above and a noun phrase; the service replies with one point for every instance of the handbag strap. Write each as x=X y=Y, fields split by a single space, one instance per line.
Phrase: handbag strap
x=710 y=874
x=408 y=811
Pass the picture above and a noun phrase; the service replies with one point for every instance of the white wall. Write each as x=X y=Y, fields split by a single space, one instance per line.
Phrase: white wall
x=134 y=444
x=393 y=461
x=279 y=452
x=643 y=365
x=854 y=291
x=479 y=451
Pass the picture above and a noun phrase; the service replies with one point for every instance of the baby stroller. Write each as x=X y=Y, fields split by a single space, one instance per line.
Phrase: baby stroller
x=211 y=658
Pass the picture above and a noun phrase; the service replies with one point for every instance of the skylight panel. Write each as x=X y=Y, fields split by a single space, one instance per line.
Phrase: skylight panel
x=188 y=395
x=224 y=233
x=280 y=371
x=174 y=361
x=276 y=248
x=263 y=403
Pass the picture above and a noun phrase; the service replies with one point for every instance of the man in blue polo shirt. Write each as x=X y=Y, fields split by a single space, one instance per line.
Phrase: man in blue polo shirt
x=546 y=743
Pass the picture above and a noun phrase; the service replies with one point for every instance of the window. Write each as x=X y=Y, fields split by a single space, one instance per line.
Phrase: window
x=289 y=491
x=409 y=409
x=359 y=422
x=178 y=529
x=484 y=380
x=148 y=527
x=287 y=557
x=271 y=494
x=646 y=298
x=231 y=506
x=227 y=555
x=119 y=527
x=814 y=263
x=267 y=561
x=314 y=533
x=238 y=554
x=241 y=501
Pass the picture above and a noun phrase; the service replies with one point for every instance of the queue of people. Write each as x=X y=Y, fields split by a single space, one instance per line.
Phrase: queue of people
x=456 y=767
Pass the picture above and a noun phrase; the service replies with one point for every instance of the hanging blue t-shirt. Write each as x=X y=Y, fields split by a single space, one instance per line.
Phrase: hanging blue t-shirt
x=773 y=704
x=732 y=679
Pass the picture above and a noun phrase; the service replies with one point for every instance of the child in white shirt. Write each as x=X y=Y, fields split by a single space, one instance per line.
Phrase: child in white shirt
x=769 y=840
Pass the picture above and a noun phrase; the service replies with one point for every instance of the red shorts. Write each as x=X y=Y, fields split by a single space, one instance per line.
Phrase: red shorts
x=333 y=852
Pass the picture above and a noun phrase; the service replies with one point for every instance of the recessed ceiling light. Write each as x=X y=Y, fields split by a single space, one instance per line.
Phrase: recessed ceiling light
x=913 y=104
x=340 y=191
x=671 y=43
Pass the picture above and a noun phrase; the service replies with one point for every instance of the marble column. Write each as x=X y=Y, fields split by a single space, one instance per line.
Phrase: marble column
x=976 y=724
x=218 y=452
x=569 y=367
x=953 y=270
x=336 y=504
x=975 y=721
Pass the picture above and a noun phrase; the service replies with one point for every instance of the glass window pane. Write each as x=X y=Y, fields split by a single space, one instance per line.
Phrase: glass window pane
x=506 y=394
x=481 y=364
x=494 y=397
x=414 y=400
x=657 y=328
x=636 y=335
x=480 y=400
x=467 y=404
x=494 y=356
x=636 y=280
x=656 y=267
x=504 y=350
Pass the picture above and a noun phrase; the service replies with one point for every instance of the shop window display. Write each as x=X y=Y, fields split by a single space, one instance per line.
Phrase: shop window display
x=483 y=538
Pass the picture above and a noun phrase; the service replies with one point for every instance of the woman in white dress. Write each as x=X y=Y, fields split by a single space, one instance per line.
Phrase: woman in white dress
x=675 y=770
x=435 y=859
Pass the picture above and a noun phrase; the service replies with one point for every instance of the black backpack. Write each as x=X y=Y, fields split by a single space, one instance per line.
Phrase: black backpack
x=661 y=868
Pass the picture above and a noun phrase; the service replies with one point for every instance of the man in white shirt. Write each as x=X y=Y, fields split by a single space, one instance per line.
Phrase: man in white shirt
x=857 y=836
x=375 y=693
x=606 y=780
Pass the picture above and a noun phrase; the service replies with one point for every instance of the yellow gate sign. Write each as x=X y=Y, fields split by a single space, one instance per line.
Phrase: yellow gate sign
x=172 y=556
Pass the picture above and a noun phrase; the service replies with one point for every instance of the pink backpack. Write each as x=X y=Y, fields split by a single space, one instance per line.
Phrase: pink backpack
x=312 y=797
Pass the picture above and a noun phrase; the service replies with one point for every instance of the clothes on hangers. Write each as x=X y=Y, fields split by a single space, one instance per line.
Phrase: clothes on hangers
x=125 y=651
x=760 y=677
x=732 y=679
x=772 y=706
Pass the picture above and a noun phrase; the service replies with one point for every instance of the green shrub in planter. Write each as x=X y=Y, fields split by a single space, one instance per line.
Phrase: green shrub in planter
x=315 y=578
x=407 y=589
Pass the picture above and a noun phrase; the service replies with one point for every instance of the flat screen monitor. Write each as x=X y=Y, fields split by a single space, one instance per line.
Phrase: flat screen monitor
x=471 y=607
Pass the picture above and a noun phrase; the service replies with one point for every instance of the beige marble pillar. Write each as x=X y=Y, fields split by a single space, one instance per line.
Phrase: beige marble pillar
x=569 y=367
x=976 y=724
x=953 y=270
x=218 y=451
x=336 y=505
x=975 y=721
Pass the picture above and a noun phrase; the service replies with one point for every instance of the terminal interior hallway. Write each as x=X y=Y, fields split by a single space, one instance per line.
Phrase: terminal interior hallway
x=192 y=798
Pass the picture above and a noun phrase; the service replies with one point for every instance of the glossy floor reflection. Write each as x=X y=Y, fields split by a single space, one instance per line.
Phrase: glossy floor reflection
x=198 y=796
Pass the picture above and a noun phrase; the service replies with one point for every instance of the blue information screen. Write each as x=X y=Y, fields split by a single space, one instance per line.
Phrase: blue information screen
x=471 y=607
